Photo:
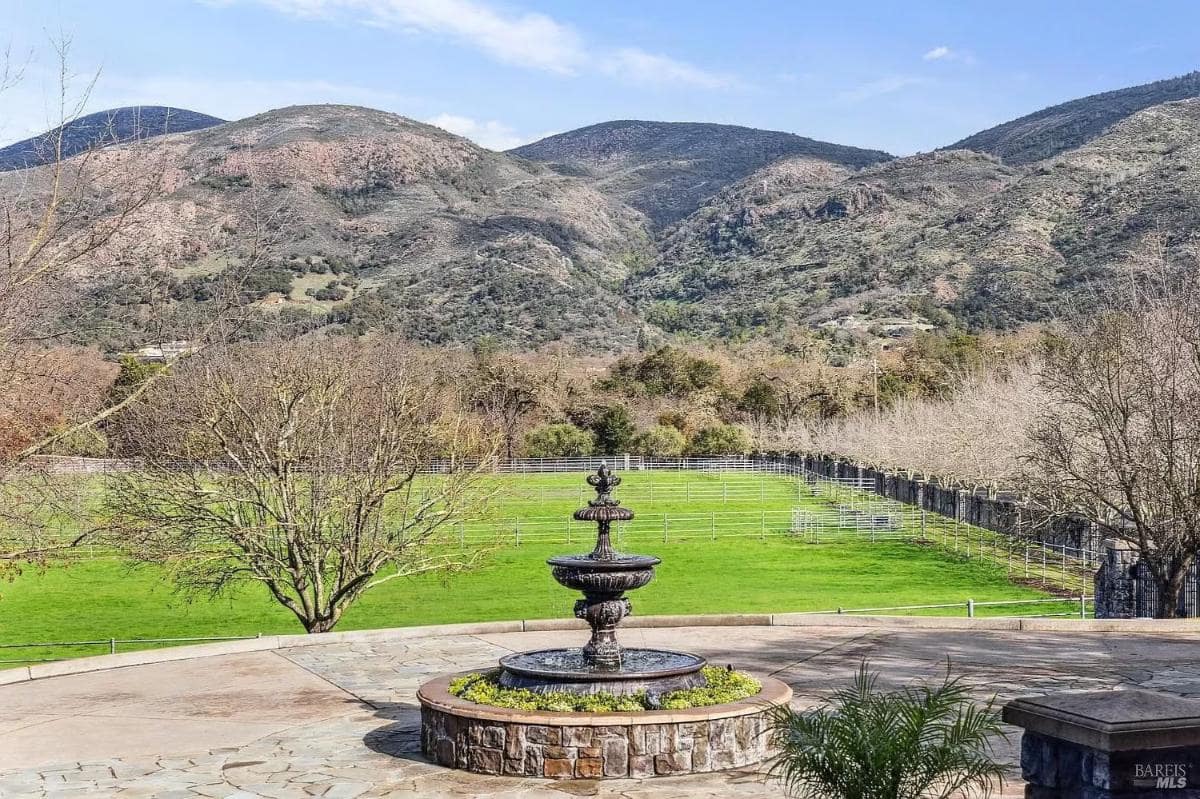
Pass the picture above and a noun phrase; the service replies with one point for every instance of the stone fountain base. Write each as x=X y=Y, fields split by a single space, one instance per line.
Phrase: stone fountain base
x=491 y=740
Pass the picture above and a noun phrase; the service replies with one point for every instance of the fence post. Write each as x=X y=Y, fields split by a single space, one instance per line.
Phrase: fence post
x=970 y=608
x=112 y=646
x=1082 y=606
x=713 y=525
x=762 y=530
x=664 y=528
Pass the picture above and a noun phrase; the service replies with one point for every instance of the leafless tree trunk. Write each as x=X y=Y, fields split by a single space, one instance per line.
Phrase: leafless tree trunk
x=506 y=392
x=302 y=467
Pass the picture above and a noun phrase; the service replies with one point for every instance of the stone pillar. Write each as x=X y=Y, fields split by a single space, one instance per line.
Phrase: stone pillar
x=1108 y=745
x=1116 y=583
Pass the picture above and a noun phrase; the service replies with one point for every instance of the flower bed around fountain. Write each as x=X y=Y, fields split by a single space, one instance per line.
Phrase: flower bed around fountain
x=599 y=710
x=722 y=686
x=460 y=734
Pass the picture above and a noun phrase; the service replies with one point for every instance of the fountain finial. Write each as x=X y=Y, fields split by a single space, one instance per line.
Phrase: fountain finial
x=603 y=510
x=604 y=481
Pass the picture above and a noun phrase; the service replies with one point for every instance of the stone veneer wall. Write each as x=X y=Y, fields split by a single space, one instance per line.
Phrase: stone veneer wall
x=591 y=752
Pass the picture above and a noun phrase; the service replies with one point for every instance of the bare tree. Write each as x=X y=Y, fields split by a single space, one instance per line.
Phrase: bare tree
x=974 y=438
x=506 y=392
x=1120 y=443
x=63 y=221
x=302 y=467
x=57 y=220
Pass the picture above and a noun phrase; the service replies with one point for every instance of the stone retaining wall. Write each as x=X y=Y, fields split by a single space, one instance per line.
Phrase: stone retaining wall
x=486 y=740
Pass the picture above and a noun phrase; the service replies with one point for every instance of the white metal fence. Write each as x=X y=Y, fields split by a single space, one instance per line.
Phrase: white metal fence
x=42 y=651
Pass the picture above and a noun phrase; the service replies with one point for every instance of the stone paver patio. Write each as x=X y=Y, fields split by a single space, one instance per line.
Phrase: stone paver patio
x=340 y=720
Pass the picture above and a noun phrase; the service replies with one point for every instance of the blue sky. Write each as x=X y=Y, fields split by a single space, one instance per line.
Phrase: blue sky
x=901 y=76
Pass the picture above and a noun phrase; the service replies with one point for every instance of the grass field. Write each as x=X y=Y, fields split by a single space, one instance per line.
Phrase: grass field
x=726 y=550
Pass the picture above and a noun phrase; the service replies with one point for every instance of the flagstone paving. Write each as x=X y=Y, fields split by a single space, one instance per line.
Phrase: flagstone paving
x=341 y=721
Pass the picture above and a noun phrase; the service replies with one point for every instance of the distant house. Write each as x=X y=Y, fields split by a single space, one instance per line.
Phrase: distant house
x=163 y=353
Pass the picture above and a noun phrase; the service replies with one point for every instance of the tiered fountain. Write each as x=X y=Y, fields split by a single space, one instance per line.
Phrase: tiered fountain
x=493 y=740
x=603 y=575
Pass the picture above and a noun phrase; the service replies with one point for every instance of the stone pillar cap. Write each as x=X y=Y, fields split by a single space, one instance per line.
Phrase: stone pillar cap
x=1110 y=721
x=1119 y=543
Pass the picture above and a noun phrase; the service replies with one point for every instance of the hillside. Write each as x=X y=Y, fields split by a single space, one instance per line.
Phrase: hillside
x=338 y=218
x=103 y=129
x=666 y=169
x=369 y=220
x=1066 y=126
x=948 y=235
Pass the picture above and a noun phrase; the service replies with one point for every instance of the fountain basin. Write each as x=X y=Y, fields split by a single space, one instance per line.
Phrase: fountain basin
x=655 y=671
x=489 y=740
x=602 y=581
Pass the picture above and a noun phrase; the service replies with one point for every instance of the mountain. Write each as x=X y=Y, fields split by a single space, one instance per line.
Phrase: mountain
x=951 y=235
x=1069 y=125
x=102 y=129
x=666 y=169
x=358 y=219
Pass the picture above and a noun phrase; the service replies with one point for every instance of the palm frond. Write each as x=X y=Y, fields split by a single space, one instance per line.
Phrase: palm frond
x=918 y=742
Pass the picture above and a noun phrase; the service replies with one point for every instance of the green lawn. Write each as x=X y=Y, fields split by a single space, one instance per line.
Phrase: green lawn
x=747 y=564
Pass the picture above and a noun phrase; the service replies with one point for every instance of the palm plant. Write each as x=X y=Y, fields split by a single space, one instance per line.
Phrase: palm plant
x=913 y=743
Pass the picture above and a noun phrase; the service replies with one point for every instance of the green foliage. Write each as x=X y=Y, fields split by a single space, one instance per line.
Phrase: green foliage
x=226 y=182
x=613 y=427
x=720 y=439
x=330 y=292
x=131 y=375
x=661 y=440
x=85 y=443
x=760 y=400
x=675 y=419
x=250 y=286
x=933 y=365
x=666 y=371
x=558 y=441
x=723 y=686
x=912 y=743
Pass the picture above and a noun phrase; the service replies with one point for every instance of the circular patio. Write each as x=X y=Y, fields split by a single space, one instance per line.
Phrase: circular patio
x=337 y=716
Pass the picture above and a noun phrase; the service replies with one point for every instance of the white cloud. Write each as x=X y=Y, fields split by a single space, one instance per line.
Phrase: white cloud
x=638 y=66
x=526 y=39
x=877 y=88
x=491 y=134
x=944 y=53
